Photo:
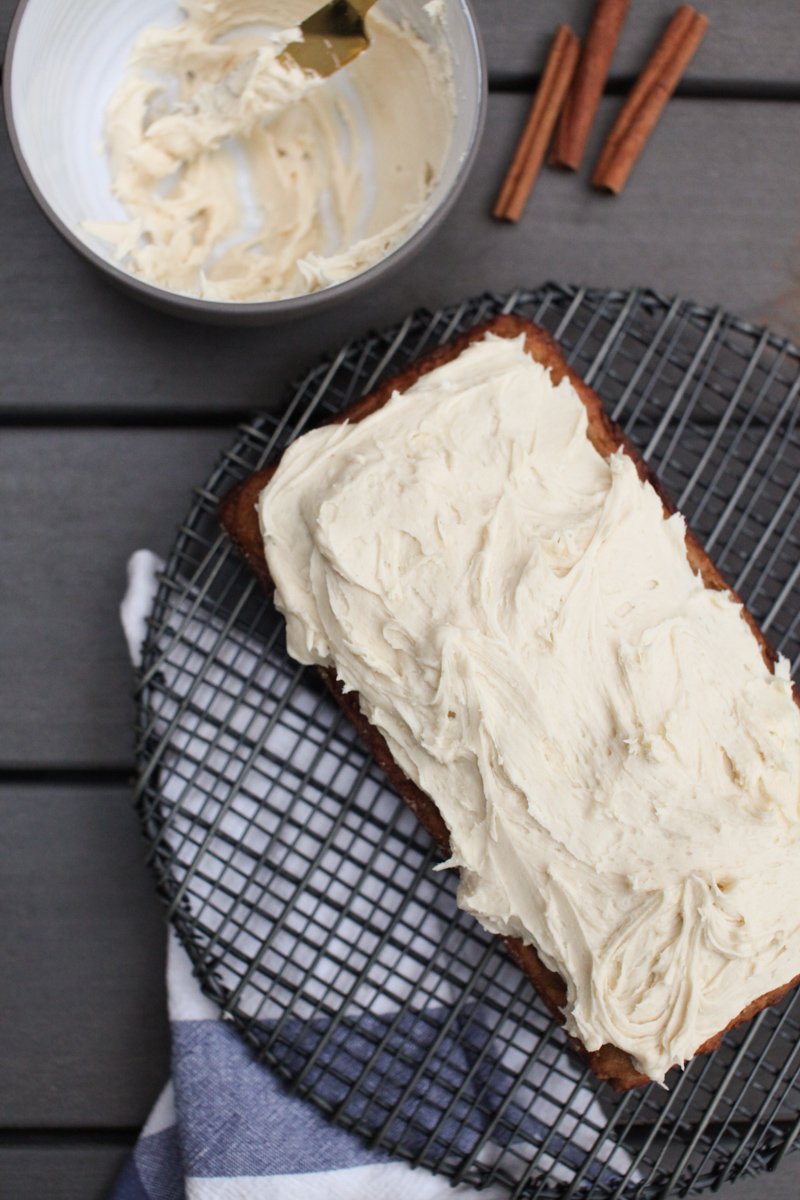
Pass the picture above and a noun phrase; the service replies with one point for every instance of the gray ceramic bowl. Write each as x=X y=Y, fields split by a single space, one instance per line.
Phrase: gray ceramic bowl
x=63 y=61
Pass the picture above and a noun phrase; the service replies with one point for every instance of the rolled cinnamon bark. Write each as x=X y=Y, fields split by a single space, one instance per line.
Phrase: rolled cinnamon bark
x=587 y=87
x=532 y=147
x=655 y=85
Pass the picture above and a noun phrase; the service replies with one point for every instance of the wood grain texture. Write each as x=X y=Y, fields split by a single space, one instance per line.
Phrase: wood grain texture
x=783 y=1184
x=738 y=48
x=84 y=1035
x=75 y=505
x=60 y=1172
x=710 y=212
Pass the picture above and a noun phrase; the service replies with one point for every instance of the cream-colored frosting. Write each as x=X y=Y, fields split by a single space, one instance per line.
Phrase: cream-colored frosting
x=246 y=178
x=618 y=769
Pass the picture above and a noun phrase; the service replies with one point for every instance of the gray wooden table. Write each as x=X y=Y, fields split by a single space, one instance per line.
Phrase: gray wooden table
x=110 y=413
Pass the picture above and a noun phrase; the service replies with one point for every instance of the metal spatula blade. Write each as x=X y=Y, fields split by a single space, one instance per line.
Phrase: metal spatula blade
x=332 y=36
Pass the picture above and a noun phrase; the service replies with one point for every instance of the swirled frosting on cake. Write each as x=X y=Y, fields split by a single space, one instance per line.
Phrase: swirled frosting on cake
x=618 y=768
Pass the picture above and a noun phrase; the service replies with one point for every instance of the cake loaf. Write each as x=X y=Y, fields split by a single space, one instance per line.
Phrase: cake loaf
x=558 y=682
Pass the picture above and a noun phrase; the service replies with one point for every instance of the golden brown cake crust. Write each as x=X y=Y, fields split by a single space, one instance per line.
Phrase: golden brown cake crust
x=238 y=517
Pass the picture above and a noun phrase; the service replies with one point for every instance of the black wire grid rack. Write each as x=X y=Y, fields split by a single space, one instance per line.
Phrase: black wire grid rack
x=302 y=887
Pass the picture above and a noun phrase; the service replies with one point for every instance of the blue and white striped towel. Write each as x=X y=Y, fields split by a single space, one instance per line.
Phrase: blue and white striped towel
x=224 y=1126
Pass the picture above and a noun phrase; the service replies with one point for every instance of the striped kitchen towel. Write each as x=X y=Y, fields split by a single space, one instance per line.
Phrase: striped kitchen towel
x=225 y=1126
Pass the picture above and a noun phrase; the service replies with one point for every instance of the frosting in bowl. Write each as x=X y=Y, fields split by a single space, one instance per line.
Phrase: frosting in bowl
x=618 y=768
x=246 y=178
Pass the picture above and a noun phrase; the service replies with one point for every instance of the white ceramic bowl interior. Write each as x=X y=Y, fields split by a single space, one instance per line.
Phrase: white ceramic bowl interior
x=66 y=57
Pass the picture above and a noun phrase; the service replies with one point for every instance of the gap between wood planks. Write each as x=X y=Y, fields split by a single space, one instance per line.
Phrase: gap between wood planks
x=120 y=776
x=123 y=418
x=79 y=419
x=693 y=89
x=123 y=1138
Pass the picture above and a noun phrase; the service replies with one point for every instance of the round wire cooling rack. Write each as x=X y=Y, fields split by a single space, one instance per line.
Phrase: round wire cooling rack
x=303 y=888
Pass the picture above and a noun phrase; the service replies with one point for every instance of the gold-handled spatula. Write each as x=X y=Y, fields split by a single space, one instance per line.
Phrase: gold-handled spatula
x=332 y=36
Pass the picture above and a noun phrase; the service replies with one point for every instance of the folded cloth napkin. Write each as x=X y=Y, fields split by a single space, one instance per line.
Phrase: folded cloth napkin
x=224 y=1125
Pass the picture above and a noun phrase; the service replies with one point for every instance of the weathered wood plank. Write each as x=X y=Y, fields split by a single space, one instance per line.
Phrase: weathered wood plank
x=87 y=1173
x=59 y=1172
x=746 y=43
x=783 y=1184
x=84 y=1036
x=75 y=505
x=710 y=211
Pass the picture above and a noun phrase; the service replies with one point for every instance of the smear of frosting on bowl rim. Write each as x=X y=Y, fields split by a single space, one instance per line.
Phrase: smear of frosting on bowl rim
x=247 y=179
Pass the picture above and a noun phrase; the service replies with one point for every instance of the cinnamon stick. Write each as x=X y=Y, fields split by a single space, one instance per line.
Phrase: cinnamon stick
x=587 y=86
x=530 y=152
x=655 y=85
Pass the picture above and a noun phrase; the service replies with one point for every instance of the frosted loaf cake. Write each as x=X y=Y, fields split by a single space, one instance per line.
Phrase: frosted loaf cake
x=537 y=647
